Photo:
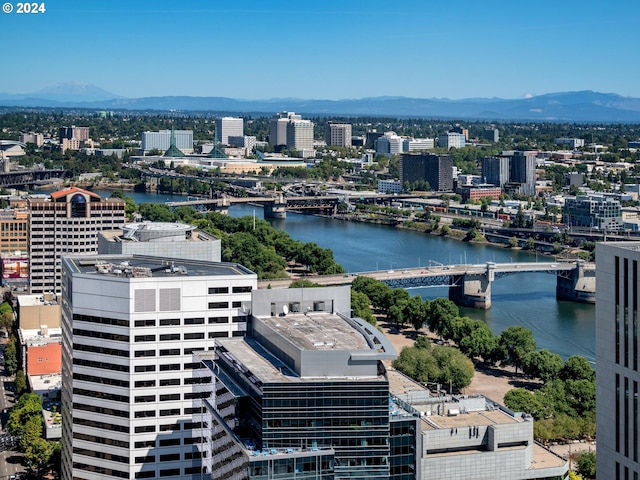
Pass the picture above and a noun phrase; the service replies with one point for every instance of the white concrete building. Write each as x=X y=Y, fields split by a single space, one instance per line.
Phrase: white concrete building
x=162 y=140
x=451 y=140
x=278 y=127
x=132 y=388
x=389 y=186
x=300 y=135
x=228 y=127
x=389 y=144
x=417 y=144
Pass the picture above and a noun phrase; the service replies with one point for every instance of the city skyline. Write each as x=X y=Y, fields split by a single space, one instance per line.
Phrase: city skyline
x=329 y=50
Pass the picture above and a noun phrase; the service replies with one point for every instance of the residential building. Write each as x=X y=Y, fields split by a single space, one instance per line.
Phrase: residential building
x=73 y=132
x=523 y=172
x=300 y=135
x=593 y=211
x=278 y=127
x=161 y=140
x=31 y=137
x=451 y=140
x=228 y=126
x=389 y=186
x=571 y=142
x=339 y=134
x=67 y=222
x=289 y=397
x=435 y=169
x=131 y=386
x=617 y=347
x=160 y=239
x=495 y=170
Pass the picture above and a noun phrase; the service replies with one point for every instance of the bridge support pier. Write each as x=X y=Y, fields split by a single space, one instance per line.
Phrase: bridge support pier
x=578 y=286
x=277 y=209
x=472 y=290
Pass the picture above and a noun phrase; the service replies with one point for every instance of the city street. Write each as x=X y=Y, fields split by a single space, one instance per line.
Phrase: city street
x=10 y=462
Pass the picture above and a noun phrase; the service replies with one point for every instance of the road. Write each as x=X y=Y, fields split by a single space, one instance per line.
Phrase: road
x=431 y=271
x=10 y=461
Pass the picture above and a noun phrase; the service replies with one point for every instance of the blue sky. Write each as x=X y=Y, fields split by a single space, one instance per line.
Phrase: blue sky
x=325 y=49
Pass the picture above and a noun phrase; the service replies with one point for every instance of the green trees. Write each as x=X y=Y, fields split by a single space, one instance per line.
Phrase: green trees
x=433 y=363
x=25 y=421
x=10 y=358
x=587 y=464
x=517 y=343
x=361 y=306
x=542 y=364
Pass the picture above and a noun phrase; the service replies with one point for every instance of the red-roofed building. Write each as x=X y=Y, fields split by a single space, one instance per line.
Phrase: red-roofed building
x=66 y=223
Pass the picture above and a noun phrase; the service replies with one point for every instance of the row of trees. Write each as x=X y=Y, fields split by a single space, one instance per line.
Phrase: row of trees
x=564 y=405
x=25 y=421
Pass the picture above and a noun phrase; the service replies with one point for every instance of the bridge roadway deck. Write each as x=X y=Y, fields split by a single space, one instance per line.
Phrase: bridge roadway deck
x=432 y=276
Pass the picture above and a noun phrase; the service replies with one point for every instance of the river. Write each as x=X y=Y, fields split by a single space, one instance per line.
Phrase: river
x=526 y=299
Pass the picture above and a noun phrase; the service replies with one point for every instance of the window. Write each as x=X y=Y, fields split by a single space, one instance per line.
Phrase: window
x=236 y=304
x=164 y=322
x=169 y=336
x=218 y=305
x=170 y=457
x=218 y=290
x=145 y=353
x=169 y=397
x=145 y=383
x=194 y=321
x=145 y=459
x=169 y=351
x=145 y=368
x=170 y=442
x=145 y=323
x=218 y=334
x=170 y=427
x=194 y=336
x=168 y=412
x=218 y=319
x=170 y=472
x=145 y=414
x=169 y=366
x=146 y=444
x=165 y=382
x=193 y=366
x=145 y=429
x=242 y=289
x=145 y=398
x=145 y=338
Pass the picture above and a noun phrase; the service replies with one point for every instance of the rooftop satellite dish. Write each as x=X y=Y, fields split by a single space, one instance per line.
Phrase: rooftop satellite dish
x=285 y=309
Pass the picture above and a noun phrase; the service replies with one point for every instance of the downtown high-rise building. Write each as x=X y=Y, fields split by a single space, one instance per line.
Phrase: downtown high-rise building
x=66 y=223
x=617 y=360
x=495 y=170
x=228 y=127
x=132 y=388
x=437 y=170
x=523 y=172
x=161 y=140
x=300 y=135
x=338 y=134
x=278 y=127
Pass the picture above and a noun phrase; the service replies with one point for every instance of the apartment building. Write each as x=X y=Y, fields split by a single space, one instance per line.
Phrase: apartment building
x=339 y=134
x=132 y=388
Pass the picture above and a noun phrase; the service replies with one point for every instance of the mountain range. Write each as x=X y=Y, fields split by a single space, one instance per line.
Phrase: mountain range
x=582 y=106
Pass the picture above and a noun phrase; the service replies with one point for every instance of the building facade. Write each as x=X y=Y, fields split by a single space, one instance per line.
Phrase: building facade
x=162 y=140
x=304 y=395
x=73 y=133
x=132 y=389
x=278 y=127
x=417 y=144
x=389 y=186
x=571 y=142
x=31 y=137
x=451 y=140
x=523 y=172
x=617 y=346
x=66 y=223
x=435 y=169
x=339 y=134
x=228 y=126
x=389 y=144
x=593 y=211
x=300 y=135
x=495 y=170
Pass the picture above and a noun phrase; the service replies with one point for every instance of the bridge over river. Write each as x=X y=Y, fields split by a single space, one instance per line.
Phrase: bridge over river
x=470 y=284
